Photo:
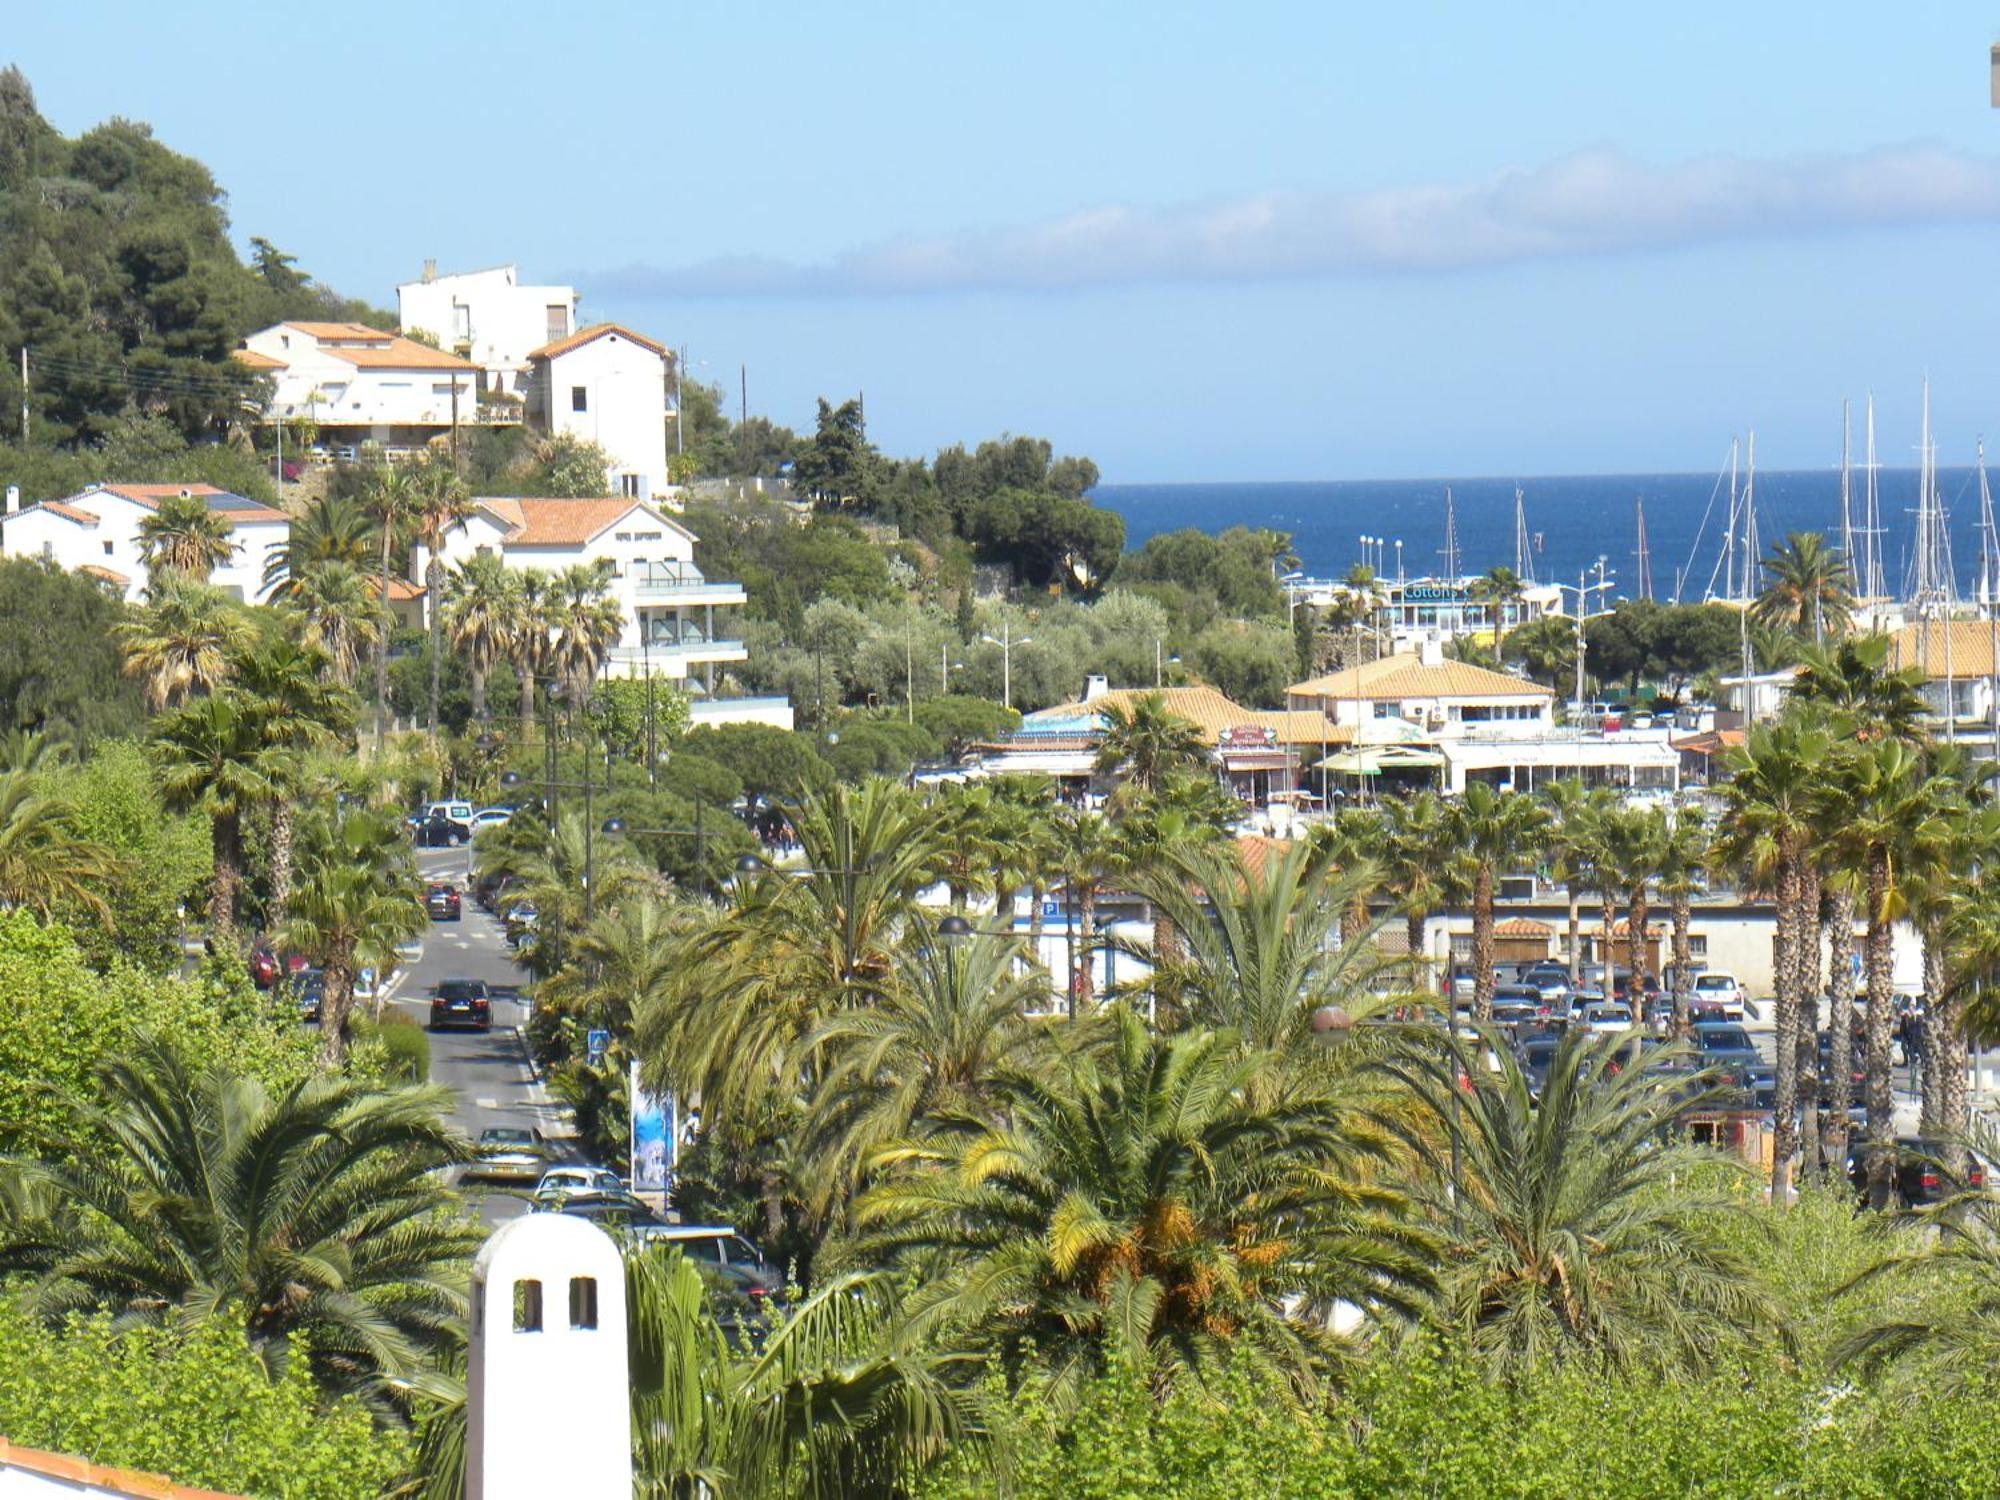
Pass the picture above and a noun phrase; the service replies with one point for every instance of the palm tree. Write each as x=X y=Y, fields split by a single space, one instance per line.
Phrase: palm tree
x=951 y=1024
x=1774 y=808
x=584 y=622
x=1261 y=952
x=339 y=615
x=1089 y=853
x=300 y=709
x=183 y=643
x=1569 y=1229
x=1147 y=743
x=481 y=610
x=357 y=897
x=1498 y=831
x=1852 y=681
x=392 y=500
x=569 y=874
x=1424 y=872
x=331 y=530
x=529 y=646
x=1500 y=588
x=1142 y=1204
x=214 y=759
x=442 y=504
x=1891 y=824
x=183 y=541
x=623 y=962
x=1682 y=862
x=1577 y=842
x=1809 y=588
x=46 y=859
x=317 y=1216
x=1633 y=853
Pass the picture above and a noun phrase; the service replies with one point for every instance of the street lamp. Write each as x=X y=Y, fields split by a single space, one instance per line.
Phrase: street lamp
x=699 y=833
x=1583 y=589
x=586 y=786
x=1007 y=641
x=1159 y=674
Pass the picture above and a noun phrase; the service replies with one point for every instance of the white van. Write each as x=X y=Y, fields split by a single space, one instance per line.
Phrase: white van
x=1719 y=990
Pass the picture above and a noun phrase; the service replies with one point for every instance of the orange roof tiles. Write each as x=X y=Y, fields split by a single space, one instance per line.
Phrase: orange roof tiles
x=402 y=590
x=1960 y=648
x=1404 y=675
x=1523 y=927
x=97 y=570
x=587 y=335
x=327 y=331
x=559 y=523
x=1214 y=714
x=257 y=361
x=69 y=512
x=81 y=1471
x=399 y=354
x=153 y=494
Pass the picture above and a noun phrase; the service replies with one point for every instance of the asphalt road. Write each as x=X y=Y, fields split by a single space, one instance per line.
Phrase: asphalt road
x=487 y=1072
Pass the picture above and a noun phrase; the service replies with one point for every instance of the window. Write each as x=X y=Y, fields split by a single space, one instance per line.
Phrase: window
x=1697 y=945
x=583 y=1302
x=629 y=486
x=527 y=1307
x=1386 y=710
x=579 y=398
x=107 y=549
x=558 y=316
x=461 y=322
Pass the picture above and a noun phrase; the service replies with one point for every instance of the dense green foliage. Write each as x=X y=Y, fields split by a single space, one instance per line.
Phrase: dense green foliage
x=192 y=1403
x=61 y=669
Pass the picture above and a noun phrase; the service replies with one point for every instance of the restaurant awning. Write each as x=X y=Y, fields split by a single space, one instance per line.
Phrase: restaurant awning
x=1373 y=760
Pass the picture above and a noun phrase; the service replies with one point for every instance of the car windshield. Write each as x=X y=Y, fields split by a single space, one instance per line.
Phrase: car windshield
x=506 y=1138
x=1540 y=1057
x=1723 y=1039
x=462 y=989
x=1714 y=982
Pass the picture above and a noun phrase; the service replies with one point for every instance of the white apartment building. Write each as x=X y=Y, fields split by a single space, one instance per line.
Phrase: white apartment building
x=360 y=385
x=490 y=318
x=1409 y=611
x=1441 y=699
x=96 y=533
x=678 y=625
x=607 y=385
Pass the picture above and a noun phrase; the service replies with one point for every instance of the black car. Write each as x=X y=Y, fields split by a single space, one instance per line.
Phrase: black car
x=1921 y=1176
x=1726 y=1048
x=462 y=1002
x=442 y=902
x=308 y=987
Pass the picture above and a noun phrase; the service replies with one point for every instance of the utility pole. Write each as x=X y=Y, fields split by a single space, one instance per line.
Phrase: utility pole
x=24 y=395
x=454 y=440
x=743 y=400
x=680 y=410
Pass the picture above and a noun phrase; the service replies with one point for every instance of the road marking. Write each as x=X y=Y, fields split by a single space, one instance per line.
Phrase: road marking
x=486 y=1103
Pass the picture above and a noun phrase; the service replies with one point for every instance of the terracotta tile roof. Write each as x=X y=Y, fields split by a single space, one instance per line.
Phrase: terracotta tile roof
x=402 y=590
x=1709 y=742
x=400 y=354
x=1257 y=852
x=587 y=335
x=229 y=506
x=257 y=361
x=1404 y=675
x=1211 y=712
x=1523 y=927
x=1957 y=648
x=327 y=331
x=560 y=523
x=98 y=570
x=80 y=1472
x=1653 y=929
x=67 y=511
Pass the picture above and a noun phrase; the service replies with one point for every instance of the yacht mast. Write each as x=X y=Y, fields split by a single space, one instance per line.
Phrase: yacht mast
x=1873 y=585
x=1645 y=554
x=1450 y=553
x=1524 y=556
x=1729 y=536
x=1989 y=583
x=1743 y=602
x=1846 y=489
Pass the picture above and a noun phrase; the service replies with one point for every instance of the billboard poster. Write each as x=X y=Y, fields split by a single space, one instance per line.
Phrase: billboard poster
x=655 y=1136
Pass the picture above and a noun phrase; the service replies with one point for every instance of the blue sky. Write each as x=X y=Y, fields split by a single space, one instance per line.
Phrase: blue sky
x=1196 y=242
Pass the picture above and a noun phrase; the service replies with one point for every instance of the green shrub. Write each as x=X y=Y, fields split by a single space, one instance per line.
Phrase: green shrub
x=403 y=1046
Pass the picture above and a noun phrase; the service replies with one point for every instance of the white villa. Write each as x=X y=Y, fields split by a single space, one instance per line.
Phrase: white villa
x=1442 y=699
x=607 y=385
x=97 y=533
x=360 y=385
x=490 y=318
x=678 y=625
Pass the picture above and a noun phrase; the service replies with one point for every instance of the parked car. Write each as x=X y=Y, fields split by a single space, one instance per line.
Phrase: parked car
x=560 y=1184
x=1727 y=1048
x=265 y=969
x=509 y=1154
x=308 y=990
x=1607 y=1016
x=1538 y=1053
x=490 y=890
x=1514 y=1004
x=441 y=824
x=442 y=902
x=490 y=817
x=1921 y=1177
x=1720 y=991
x=520 y=920
x=462 y=1002
x=1550 y=981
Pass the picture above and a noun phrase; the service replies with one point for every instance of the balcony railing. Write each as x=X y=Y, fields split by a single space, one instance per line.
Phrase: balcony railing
x=656 y=580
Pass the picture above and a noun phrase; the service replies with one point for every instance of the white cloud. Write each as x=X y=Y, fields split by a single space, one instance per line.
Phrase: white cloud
x=1591 y=203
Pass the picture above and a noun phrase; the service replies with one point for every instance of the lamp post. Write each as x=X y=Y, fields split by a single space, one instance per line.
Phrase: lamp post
x=1007 y=641
x=699 y=833
x=1583 y=589
x=1159 y=672
x=587 y=787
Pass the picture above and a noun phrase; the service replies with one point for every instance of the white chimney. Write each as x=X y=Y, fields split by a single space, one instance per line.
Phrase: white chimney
x=430 y=272
x=1095 y=686
x=13 y=498
x=548 y=1389
x=1430 y=652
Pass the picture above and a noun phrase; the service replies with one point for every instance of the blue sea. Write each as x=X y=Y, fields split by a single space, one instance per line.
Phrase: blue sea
x=1572 y=520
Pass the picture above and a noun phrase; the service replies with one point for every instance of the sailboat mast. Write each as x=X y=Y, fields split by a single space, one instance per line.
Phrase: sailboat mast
x=1645 y=554
x=1524 y=556
x=1450 y=537
x=1743 y=603
x=1846 y=489
x=1729 y=536
x=1872 y=583
x=1989 y=569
